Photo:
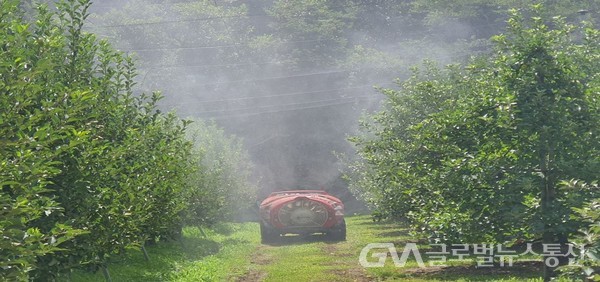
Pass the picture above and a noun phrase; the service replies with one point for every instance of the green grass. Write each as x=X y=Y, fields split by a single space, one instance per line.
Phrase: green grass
x=371 y=232
x=226 y=251
x=232 y=252
x=295 y=259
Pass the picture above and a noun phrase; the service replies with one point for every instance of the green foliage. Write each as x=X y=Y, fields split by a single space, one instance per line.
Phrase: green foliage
x=475 y=154
x=321 y=23
x=87 y=168
x=216 y=256
x=37 y=124
x=221 y=189
x=208 y=51
x=489 y=16
x=160 y=33
x=586 y=262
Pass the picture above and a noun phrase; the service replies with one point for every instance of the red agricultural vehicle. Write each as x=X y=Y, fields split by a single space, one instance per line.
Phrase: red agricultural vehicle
x=302 y=212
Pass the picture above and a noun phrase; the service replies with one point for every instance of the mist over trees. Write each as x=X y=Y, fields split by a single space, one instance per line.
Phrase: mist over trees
x=88 y=168
x=222 y=189
x=503 y=145
x=489 y=151
x=486 y=126
x=284 y=75
x=292 y=77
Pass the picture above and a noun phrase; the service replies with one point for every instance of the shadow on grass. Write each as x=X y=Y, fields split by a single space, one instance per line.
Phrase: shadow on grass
x=197 y=248
x=236 y=241
x=524 y=269
x=301 y=239
x=397 y=234
x=165 y=258
x=224 y=228
x=394 y=234
x=369 y=221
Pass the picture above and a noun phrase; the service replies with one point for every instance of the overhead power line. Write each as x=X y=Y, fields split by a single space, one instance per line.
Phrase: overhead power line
x=176 y=21
x=272 y=78
x=280 y=111
x=281 y=95
x=151 y=67
x=215 y=46
x=215 y=18
x=279 y=77
x=284 y=105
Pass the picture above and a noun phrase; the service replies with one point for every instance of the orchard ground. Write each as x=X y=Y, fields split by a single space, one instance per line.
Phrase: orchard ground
x=233 y=252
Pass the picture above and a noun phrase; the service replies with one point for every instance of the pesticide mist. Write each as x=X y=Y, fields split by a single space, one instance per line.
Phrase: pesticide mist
x=290 y=78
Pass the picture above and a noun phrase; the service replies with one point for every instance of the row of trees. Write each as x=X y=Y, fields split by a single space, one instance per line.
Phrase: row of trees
x=87 y=167
x=486 y=152
x=273 y=70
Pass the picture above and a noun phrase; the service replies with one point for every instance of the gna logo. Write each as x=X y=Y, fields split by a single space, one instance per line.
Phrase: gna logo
x=389 y=249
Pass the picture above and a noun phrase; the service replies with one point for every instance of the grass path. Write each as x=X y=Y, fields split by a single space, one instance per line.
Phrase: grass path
x=308 y=259
x=232 y=252
x=311 y=259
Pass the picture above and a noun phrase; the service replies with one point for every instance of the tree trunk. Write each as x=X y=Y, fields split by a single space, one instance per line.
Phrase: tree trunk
x=547 y=200
x=549 y=208
x=547 y=235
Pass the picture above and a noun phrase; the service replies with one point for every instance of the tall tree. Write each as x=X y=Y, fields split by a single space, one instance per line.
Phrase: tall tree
x=86 y=167
x=222 y=189
x=476 y=153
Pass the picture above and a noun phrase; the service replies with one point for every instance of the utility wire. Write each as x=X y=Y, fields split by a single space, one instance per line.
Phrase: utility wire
x=216 y=46
x=149 y=67
x=216 y=18
x=153 y=67
x=280 y=111
x=273 y=78
x=175 y=21
x=280 y=77
x=281 y=95
x=284 y=105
